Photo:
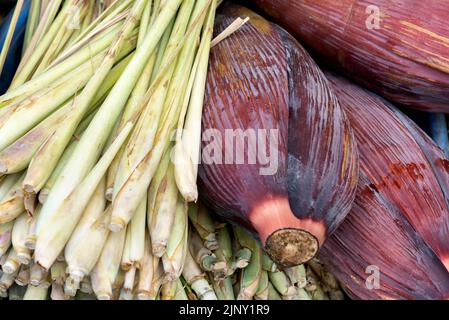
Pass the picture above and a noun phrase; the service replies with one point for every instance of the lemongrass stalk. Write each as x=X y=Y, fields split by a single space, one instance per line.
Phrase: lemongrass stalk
x=79 y=62
x=272 y=293
x=131 y=109
x=11 y=206
x=10 y=33
x=7 y=280
x=154 y=187
x=146 y=271
x=164 y=213
x=137 y=229
x=196 y=279
x=30 y=240
x=43 y=195
x=12 y=263
x=188 y=140
x=177 y=247
x=127 y=292
x=203 y=224
x=224 y=253
x=263 y=290
x=32 y=58
x=158 y=279
x=57 y=292
x=283 y=285
x=51 y=241
x=17 y=292
x=148 y=121
x=93 y=140
x=37 y=275
x=19 y=235
x=126 y=260
x=203 y=256
x=168 y=290
x=86 y=286
x=32 y=23
x=105 y=271
x=180 y=294
x=297 y=276
x=251 y=275
x=223 y=289
x=142 y=142
x=89 y=237
x=268 y=264
x=50 y=153
x=23 y=277
x=58 y=273
x=117 y=285
x=143 y=27
x=5 y=237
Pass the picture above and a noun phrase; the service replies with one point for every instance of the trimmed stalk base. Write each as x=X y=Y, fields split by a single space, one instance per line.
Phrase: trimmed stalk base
x=291 y=247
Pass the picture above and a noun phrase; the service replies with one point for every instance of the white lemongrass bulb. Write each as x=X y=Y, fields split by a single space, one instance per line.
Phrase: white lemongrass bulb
x=19 y=236
x=87 y=241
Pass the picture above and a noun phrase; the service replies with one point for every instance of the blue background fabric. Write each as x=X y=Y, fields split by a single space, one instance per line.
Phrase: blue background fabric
x=15 y=51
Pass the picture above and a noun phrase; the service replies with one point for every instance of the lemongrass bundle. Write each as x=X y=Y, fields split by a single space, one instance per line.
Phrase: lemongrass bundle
x=50 y=242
